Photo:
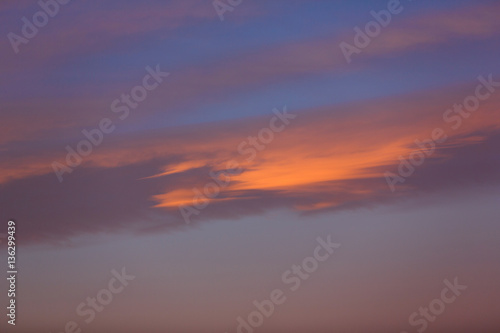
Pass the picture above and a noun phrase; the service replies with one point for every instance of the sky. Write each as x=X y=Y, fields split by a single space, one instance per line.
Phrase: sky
x=210 y=150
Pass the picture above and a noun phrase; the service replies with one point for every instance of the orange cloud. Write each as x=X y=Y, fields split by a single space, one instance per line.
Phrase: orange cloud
x=352 y=145
x=327 y=158
x=335 y=148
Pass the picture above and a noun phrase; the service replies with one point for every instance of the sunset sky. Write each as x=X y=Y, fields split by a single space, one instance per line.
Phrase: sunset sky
x=205 y=149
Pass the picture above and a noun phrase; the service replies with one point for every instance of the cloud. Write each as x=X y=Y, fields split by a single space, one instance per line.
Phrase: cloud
x=327 y=159
x=433 y=29
x=93 y=200
x=342 y=152
x=108 y=29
